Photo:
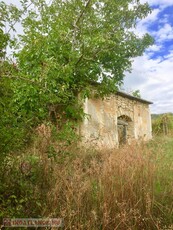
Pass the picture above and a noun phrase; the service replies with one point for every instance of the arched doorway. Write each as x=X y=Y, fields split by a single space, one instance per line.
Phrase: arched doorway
x=125 y=129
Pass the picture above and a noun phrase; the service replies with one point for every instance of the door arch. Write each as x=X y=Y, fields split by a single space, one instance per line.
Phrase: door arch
x=125 y=129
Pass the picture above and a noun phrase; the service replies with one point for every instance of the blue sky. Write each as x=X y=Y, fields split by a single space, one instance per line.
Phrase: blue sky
x=152 y=73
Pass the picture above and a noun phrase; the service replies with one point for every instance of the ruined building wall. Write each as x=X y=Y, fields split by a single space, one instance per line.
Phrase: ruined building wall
x=101 y=128
x=142 y=121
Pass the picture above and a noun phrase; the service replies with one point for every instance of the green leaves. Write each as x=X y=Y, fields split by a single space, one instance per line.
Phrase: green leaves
x=66 y=48
x=77 y=34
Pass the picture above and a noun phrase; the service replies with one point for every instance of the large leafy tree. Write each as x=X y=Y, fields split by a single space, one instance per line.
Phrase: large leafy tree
x=69 y=45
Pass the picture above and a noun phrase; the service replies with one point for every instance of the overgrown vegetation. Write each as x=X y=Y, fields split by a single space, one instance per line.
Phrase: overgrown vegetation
x=130 y=188
x=66 y=48
x=162 y=124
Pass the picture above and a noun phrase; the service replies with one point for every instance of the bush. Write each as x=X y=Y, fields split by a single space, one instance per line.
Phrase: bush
x=163 y=124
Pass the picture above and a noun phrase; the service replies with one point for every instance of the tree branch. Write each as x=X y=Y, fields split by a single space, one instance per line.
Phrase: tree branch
x=12 y=26
x=19 y=78
x=79 y=60
x=82 y=13
x=77 y=21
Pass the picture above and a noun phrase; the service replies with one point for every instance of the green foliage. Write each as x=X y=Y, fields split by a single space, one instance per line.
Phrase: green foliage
x=66 y=48
x=20 y=179
x=136 y=93
x=162 y=124
x=68 y=45
x=59 y=141
x=13 y=133
x=9 y=15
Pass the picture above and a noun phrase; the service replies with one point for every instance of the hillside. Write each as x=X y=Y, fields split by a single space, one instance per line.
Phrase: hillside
x=155 y=116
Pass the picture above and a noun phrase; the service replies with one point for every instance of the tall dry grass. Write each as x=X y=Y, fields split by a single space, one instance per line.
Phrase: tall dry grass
x=126 y=189
x=108 y=189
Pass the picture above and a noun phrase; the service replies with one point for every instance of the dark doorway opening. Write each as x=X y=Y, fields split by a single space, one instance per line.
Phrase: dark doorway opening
x=125 y=129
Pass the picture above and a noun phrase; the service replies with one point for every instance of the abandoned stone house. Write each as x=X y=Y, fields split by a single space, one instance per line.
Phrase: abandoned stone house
x=118 y=119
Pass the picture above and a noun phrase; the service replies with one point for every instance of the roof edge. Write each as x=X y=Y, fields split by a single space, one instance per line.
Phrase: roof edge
x=123 y=94
x=120 y=93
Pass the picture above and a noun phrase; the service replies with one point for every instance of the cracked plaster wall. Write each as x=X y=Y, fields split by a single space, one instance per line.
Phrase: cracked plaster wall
x=100 y=127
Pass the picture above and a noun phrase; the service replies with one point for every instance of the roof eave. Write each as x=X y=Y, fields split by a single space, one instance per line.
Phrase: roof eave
x=133 y=98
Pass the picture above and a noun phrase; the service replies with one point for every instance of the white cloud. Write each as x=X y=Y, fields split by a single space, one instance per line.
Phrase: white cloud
x=142 y=26
x=154 y=48
x=152 y=17
x=164 y=33
x=162 y=3
x=164 y=19
x=15 y=2
x=154 y=79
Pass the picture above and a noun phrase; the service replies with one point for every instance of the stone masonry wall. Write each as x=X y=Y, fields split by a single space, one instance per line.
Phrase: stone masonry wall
x=100 y=127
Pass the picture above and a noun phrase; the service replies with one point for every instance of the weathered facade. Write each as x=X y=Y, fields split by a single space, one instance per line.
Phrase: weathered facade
x=116 y=120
